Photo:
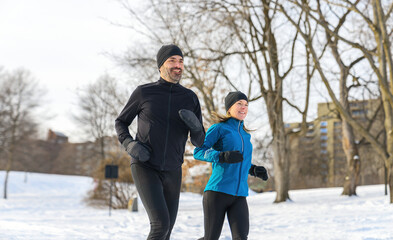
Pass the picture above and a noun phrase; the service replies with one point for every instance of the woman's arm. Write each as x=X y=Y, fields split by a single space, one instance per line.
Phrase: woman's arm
x=206 y=152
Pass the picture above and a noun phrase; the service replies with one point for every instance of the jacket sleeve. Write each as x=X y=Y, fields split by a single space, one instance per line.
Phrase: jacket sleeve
x=206 y=152
x=127 y=115
x=197 y=137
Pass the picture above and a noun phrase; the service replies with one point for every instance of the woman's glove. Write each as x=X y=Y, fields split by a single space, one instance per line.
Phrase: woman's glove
x=258 y=171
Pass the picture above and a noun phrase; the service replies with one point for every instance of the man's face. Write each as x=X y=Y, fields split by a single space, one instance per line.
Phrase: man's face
x=172 y=69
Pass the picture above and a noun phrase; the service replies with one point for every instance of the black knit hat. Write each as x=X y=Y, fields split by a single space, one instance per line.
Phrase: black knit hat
x=232 y=98
x=166 y=52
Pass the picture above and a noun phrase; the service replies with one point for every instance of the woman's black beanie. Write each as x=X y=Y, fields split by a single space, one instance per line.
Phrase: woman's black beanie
x=232 y=98
x=166 y=52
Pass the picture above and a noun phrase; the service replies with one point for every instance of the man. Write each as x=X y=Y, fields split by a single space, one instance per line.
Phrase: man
x=166 y=113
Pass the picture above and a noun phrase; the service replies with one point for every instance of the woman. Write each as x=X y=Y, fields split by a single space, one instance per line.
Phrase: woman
x=227 y=145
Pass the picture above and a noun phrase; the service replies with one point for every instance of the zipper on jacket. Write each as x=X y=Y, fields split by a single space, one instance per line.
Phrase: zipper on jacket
x=167 y=127
x=241 y=163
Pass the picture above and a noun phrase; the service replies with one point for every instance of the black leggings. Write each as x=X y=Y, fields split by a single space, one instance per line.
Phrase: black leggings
x=215 y=205
x=159 y=192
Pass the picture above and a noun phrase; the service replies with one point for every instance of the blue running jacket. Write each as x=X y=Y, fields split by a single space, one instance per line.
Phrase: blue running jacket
x=229 y=178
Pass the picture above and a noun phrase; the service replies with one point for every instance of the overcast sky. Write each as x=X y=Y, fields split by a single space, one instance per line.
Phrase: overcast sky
x=62 y=44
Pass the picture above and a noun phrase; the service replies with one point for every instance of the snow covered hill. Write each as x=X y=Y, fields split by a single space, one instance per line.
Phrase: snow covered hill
x=51 y=207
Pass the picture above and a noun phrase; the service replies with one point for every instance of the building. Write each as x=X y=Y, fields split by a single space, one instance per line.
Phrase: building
x=319 y=159
x=58 y=156
x=56 y=137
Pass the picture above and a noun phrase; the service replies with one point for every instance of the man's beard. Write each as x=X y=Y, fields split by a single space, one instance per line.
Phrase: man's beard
x=170 y=75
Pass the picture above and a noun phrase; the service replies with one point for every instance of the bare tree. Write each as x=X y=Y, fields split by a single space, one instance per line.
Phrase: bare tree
x=377 y=53
x=99 y=103
x=234 y=42
x=19 y=97
x=203 y=67
x=348 y=140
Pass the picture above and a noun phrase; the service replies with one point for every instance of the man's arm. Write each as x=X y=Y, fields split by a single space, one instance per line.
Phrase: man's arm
x=197 y=131
x=198 y=137
x=127 y=115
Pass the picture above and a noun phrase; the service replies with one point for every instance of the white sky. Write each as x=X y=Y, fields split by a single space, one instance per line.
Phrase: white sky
x=62 y=44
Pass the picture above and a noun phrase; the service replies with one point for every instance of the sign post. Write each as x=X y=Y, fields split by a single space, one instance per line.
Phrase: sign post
x=111 y=172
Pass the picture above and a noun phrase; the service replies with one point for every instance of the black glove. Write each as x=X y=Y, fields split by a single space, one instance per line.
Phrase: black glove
x=189 y=118
x=258 y=171
x=230 y=157
x=137 y=150
x=197 y=132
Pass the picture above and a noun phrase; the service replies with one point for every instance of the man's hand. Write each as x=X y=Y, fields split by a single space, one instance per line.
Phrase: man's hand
x=189 y=118
x=258 y=171
x=137 y=150
x=230 y=157
x=197 y=133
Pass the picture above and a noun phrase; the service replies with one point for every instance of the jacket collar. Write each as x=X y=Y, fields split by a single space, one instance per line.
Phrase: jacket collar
x=166 y=83
x=235 y=122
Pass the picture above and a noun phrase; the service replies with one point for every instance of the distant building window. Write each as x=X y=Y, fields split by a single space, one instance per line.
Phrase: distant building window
x=308 y=139
x=323 y=151
x=337 y=123
x=323 y=130
x=323 y=124
x=359 y=112
x=358 y=104
x=324 y=137
x=323 y=144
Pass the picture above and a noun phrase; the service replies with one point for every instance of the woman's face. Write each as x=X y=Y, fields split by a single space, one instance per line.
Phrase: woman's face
x=239 y=109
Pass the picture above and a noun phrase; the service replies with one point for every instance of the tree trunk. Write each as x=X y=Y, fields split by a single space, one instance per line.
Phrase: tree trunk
x=385 y=63
x=348 y=143
x=281 y=169
x=102 y=147
x=5 y=185
x=389 y=146
x=331 y=172
x=280 y=147
x=390 y=181
x=353 y=161
x=10 y=155
x=8 y=169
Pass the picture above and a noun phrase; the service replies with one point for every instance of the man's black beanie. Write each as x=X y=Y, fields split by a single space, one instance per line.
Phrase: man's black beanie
x=166 y=52
x=232 y=98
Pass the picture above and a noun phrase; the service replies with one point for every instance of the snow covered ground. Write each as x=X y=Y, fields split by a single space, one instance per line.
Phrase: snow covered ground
x=51 y=207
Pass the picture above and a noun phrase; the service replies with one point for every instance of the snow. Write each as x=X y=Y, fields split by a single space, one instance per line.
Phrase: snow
x=51 y=207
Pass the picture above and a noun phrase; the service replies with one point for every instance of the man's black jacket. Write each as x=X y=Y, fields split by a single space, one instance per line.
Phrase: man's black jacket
x=159 y=125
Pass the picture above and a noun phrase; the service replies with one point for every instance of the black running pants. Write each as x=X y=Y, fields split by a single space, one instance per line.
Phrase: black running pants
x=159 y=192
x=215 y=206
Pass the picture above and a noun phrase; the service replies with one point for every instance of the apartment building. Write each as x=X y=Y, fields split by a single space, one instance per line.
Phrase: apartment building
x=318 y=155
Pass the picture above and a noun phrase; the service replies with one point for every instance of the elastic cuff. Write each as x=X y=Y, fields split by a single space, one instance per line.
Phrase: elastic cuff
x=126 y=142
